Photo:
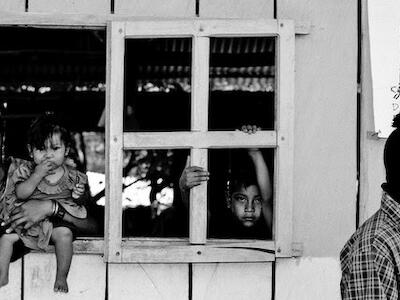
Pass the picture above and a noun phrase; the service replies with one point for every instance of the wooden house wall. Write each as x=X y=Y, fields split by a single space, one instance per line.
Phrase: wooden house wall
x=325 y=146
x=325 y=167
x=12 y=5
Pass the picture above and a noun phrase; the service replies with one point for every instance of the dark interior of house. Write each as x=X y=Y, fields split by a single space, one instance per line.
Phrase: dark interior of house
x=62 y=72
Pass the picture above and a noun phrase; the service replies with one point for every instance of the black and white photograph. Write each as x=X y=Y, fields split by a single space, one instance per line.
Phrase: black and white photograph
x=199 y=149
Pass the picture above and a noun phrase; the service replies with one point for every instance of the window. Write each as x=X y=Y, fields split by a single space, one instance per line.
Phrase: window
x=201 y=136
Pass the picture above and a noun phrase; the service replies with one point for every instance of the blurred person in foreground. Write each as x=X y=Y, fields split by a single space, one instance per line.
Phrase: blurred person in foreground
x=370 y=260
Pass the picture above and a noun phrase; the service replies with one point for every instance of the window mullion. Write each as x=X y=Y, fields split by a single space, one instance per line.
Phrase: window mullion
x=199 y=117
x=198 y=202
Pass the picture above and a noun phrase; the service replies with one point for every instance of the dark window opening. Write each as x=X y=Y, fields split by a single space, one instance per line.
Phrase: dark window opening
x=238 y=190
x=52 y=71
x=242 y=83
x=157 y=84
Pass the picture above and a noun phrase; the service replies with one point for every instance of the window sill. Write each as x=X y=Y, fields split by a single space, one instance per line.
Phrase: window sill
x=176 y=250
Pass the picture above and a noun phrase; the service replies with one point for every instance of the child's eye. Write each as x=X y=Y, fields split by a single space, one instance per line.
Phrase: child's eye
x=241 y=199
x=258 y=200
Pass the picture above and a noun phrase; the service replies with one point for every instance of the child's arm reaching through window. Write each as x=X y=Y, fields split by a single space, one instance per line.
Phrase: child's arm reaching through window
x=263 y=177
x=264 y=184
x=191 y=177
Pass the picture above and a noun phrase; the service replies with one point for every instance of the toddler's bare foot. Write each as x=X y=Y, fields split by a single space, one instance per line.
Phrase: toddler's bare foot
x=61 y=285
x=3 y=280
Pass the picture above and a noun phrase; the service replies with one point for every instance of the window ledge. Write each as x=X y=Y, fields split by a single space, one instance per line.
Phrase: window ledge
x=175 y=250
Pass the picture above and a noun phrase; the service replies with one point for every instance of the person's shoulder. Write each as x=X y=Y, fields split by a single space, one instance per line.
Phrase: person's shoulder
x=376 y=236
x=375 y=229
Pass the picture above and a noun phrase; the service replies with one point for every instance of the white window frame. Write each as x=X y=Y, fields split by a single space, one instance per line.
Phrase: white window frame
x=198 y=248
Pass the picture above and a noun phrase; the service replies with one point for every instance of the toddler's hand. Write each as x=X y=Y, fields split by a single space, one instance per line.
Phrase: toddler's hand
x=78 y=191
x=44 y=168
x=24 y=172
x=70 y=162
x=250 y=129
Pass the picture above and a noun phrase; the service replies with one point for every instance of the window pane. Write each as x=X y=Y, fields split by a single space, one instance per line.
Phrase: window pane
x=151 y=199
x=54 y=71
x=242 y=82
x=240 y=193
x=157 y=84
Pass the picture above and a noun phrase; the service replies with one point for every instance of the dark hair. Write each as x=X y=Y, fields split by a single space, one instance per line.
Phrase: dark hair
x=45 y=127
x=396 y=121
x=240 y=178
x=391 y=159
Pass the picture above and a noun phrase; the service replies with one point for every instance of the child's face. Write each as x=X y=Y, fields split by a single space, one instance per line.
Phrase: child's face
x=54 y=151
x=246 y=205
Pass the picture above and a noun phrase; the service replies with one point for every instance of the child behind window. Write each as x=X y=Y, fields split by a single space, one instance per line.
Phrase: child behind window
x=249 y=216
x=46 y=177
x=248 y=195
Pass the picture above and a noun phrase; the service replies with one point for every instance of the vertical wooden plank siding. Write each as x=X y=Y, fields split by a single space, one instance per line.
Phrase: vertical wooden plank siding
x=12 y=291
x=372 y=170
x=70 y=6
x=86 y=279
x=285 y=128
x=12 y=5
x=157 y=8
x=199 y=122
x=232 y=281
x=237 y=9
x=114 y=141
x=307 y=278
x=325 y=156
x=148 y=281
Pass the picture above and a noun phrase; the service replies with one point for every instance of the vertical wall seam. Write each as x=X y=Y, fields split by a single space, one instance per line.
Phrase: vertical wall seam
x=358 y=147
x=273 y=280
x=112 y=6
x=106 y=287
x=190 y=283
x=274 y=262
x=22 y=277
x=197 y=8
x=26 y=5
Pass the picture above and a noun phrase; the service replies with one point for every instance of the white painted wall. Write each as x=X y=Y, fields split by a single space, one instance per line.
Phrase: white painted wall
x=308 y=278
x=86 y=279
x=156 y=8
x=232 y=281
x=100 y=7
x=12 y=291
x=237 y=8
x=12 y=5
x=148 y=281
x=325 y=124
